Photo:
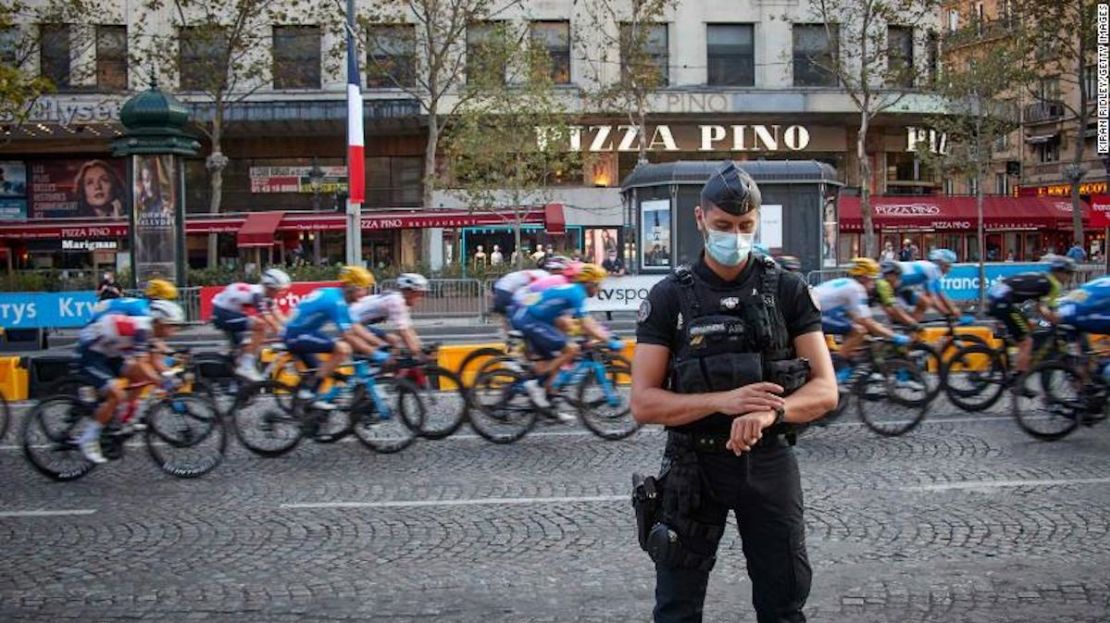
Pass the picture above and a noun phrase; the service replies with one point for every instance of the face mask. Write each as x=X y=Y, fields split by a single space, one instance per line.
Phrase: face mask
x=728 y=248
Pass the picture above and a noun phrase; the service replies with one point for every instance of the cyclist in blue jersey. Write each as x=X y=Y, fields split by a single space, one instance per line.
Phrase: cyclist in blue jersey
x=545 y=318
x=305 y=338
x=921 y=287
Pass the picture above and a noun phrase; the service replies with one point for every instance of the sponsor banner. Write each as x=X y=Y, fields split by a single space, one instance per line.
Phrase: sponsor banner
x=297 y=180
x=39 y=310
x=962 y=282
x=154 y=198
x=78 y=188
x=623 y=293
x=297 y=291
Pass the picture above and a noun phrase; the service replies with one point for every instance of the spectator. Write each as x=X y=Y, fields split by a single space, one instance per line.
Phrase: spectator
x=614 y=264
x=108 y=288
x=888 y=251
x=908 y=252
x=1077 y=253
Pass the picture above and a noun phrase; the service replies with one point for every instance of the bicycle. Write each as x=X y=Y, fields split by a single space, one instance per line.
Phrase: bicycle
x=442 y=391
x=502 y=411
x=890 y=391
x=933 y=358
x=1056 y=396
x=71 y=383
x=174 y=422
x=385 y=413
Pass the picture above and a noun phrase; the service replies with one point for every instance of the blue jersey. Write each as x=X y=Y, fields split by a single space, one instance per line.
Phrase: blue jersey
x=557 y=301
x=1088 y=307
x=318 y=309
x=922 y=273
x=132 y=307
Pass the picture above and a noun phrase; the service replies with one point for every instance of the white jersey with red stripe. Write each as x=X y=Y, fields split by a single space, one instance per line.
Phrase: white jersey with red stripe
x=117 y=335
x=517 y=280
x=237 y=297
x=377 y=308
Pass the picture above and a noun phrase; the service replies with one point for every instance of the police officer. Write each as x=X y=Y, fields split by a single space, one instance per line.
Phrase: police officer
x=730 y=354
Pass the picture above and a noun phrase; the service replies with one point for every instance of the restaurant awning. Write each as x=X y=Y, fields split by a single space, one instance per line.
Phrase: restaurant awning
x=959 y=213
x=258 y=229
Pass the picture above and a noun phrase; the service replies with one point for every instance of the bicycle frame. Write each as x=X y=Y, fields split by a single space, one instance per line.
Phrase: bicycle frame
x=364 y=376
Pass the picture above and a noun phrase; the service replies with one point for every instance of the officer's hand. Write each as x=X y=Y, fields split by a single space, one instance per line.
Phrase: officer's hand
x=748 y=429
x=749 y=398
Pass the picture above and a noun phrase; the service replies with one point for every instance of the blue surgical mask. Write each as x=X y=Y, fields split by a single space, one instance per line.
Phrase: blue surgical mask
x=728 y=248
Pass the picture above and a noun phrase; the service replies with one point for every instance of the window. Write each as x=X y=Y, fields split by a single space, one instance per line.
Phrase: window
x=10 y=46
x=949 y=186
x=1002 y=184
x=1048 y=89
x=953 y=20
x=731 y=54
x=1090 y=81
x=814 y=55
x=645 y=53
x=54 y=54
x=1002 y=143
x=202 y=59
x=391 y=56
x=296 y=57
x=1048 y=151
x=555 y=37
x=111 y=58
x=899 y=55
x=932 y=56
x=972 y=186
x=979 y=18
x=482 y=64
x=394 y=181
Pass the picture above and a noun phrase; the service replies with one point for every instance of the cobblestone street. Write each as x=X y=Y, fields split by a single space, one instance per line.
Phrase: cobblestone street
x=964 y=519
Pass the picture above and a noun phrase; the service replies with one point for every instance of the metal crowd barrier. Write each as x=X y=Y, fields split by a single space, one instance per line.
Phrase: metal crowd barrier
x=448 y=298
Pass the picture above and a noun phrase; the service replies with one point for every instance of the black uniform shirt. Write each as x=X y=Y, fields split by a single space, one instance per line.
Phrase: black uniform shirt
x=658 y=320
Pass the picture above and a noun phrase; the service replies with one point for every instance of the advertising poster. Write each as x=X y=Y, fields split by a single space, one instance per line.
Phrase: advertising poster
x=769 y=233
x=155 y=203
x=71 y=188
x=599 y=243
x=13 y=191
x=297 y=179
x=830 y=229
x=655 y=224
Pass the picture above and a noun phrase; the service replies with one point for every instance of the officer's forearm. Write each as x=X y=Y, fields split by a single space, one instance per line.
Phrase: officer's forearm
x=811 y=401
x=659 y=406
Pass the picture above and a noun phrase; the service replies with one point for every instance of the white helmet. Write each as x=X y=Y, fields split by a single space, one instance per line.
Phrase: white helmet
x=167 y=312
x=276 y=278
x=412 y=281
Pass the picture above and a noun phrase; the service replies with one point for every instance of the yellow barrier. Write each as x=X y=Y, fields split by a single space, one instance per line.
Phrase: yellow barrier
x=13 y=379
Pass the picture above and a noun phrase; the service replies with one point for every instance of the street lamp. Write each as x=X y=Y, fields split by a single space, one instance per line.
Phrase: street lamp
x=315 y=177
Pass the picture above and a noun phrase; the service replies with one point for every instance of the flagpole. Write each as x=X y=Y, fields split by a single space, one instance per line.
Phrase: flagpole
x=355 y=158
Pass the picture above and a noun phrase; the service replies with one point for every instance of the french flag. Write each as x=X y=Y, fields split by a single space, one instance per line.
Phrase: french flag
x=356 y=162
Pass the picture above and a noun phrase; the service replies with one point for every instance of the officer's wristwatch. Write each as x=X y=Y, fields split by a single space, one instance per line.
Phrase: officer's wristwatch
x=780 y=416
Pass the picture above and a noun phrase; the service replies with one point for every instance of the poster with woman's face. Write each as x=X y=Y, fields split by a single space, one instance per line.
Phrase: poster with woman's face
x=154 y=201
x=69 y=188
x=655 y=228
x=830 y=231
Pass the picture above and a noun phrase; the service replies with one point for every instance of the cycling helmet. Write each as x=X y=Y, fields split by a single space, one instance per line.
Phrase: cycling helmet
x=942 y=256
x=587 y=273
x=160 y=289
x=863 y=267
x=556 y=264
x=1061 y=263
x=356 y=276
x=732 y=190
x=276 y=279
x=790 y=263
x=890 y=267
x=412 y=281
x=167 y=312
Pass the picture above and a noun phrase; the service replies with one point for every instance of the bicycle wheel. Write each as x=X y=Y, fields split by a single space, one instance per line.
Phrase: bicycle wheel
x=474 y=360
x=265 y=420
x=604 y=405
x=444 y=399
x=928 y=360
x=47 y=438
x=185 y=436
x=501 y=410
x=5 y=416
x=976 y=378
x=1050 y=401
x=388 y=416
x=68 y=385
x=892 y=399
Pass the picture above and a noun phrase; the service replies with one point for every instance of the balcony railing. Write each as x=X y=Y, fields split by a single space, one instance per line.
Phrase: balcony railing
x=981 y=30
x=1040 y=112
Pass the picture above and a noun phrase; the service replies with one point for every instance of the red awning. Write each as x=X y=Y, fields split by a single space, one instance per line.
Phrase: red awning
x=555 y=220
x=259 y=229
x=959 y=213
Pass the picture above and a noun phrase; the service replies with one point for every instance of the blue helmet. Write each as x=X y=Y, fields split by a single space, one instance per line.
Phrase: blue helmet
x=942 y=256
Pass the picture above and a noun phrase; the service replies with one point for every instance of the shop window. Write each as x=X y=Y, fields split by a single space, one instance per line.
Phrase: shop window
x=815 y=55
x=202 y=54
x=555 y=38
x=483 y=62
x=54 y=55
x=111 y=58
x=730 y=54
x=296 y=57
x=645 y=54
x=391 y=56
x=899 y=42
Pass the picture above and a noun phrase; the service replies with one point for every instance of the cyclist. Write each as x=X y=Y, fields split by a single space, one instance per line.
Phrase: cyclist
x=230 y=314
x=921 y=284
x=304 y=334
x=845 y=310
x=545 y=320
x=1006 y=296
x=393 y=306
x=115 y=351
x=886 y=295
x=156 y=290
x=1087 y=307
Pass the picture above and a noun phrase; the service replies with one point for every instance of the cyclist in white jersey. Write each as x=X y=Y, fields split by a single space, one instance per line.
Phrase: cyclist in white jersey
x=393 y=307
x=845 y=308
x=230 y=314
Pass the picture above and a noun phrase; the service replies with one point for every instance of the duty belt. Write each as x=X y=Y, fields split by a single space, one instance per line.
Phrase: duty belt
x=715 y=443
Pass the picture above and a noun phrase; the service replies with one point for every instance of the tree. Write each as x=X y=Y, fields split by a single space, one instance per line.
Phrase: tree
x=216 y=48
x=418 y=47
x=623 y=34
x=1059 y=43
x=977 y=117
x=511 y=138
x=21 y=37
x=871 y=66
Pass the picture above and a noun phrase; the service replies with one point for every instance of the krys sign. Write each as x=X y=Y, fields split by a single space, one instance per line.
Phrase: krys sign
x=39 y=310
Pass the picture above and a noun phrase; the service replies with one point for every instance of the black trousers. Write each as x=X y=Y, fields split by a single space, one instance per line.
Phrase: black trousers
x=764 y=489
